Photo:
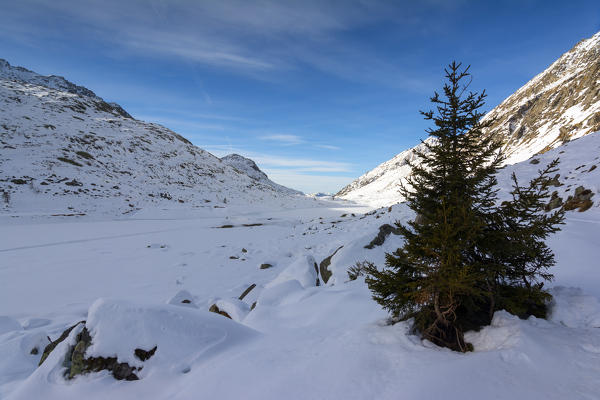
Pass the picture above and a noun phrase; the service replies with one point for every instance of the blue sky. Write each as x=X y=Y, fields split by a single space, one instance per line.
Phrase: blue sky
x=316 y=92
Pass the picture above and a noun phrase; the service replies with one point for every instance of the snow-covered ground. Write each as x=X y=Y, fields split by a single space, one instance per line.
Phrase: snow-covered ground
x=128 y=226
x=128 y=276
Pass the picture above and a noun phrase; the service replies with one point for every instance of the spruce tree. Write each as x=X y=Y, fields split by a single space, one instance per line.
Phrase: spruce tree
x=465 y=256
x=437 y=276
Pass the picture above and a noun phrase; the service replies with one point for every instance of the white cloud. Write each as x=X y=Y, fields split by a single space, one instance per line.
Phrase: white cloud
x=285 y=139
x=327 y=147
x=267 y=161
x=301 y=164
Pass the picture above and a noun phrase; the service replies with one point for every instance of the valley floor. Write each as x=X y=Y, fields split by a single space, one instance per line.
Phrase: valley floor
x=127 y=278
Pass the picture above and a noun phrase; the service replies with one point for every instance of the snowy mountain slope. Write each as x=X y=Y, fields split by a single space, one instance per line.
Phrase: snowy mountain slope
x=300 y=340
x=249 y=167
x=66 y=151
x=560 y=104
x=381 y=186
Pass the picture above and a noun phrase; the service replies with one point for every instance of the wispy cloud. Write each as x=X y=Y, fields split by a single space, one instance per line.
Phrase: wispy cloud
x=302 y=164
x=285 y=139
x=327 y=147
x=297 y=164
x=253 y=38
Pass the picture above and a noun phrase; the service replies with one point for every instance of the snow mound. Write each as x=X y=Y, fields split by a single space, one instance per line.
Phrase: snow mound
x=183 y=298
x=502 y=333
x=572 y=308
x=235 y=308
x=8 y=324
x=183 y=335
x=304 y=270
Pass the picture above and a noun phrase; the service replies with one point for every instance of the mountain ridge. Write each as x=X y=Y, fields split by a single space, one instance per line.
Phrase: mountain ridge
x=559 y=104
x=67 y=151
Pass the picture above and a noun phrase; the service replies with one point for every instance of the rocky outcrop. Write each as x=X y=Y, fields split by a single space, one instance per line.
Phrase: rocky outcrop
x=384 y=231
x=248 y=290
x=76 y=363
x=581 y=200
x=324 y=266
x=214 y=308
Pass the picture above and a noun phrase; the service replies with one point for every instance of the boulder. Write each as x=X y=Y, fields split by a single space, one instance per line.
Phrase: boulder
x=384 y=231
x=555 y=202
x=216 y=310
x=582 y=200
x=76 y=363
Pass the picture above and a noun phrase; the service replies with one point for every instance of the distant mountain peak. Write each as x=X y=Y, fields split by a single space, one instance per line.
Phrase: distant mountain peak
x=249 y=167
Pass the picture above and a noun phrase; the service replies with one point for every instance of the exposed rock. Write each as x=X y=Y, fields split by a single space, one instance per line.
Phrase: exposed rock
x=554 y=181
x=323 y=267
x=52 y=345
x=183 y=298
x=245 y=293
x=384 y=231
x=555 y=202
x=581 y=200
x=216 y=310
x=76 y=363
x=144 y=355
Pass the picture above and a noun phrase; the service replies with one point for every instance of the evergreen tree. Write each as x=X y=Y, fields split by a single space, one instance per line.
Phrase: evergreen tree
x=465 y=256
x=437 y=275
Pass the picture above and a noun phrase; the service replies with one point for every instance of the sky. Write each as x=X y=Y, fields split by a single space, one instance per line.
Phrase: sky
x=317 y=92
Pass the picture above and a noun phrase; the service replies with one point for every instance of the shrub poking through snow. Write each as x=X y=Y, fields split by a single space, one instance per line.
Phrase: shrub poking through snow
x=466 y=256
x=359 y=269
